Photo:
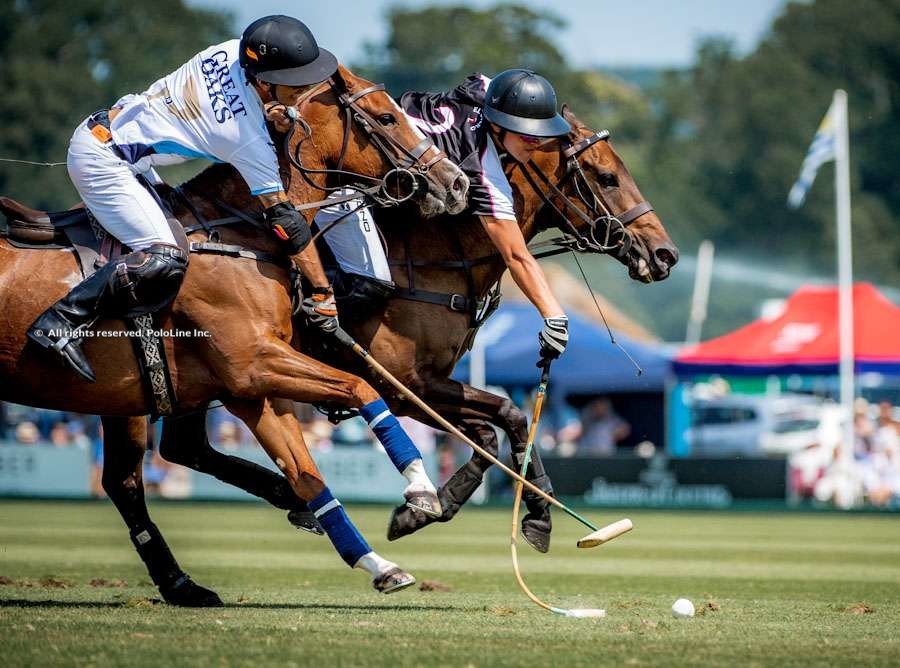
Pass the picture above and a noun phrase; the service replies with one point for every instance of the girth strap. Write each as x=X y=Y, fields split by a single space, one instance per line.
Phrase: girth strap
x=232 y=250
x=453 y=301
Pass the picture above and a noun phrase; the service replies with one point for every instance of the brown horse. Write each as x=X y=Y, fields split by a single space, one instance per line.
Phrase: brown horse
x=244 y=306
x=421 y=342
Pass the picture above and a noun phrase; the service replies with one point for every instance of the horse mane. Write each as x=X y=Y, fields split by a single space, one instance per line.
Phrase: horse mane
x=221 y=181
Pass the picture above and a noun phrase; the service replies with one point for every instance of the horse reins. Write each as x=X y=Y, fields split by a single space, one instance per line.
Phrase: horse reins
x=408 y=164
x=614 y=239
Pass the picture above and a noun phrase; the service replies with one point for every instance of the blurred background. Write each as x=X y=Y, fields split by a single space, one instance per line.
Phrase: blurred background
x=712 y=106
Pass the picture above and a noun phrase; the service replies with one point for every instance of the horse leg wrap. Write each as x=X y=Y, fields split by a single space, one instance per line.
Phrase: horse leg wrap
x=156 y=555
x=346 y=539
x=396 y=442
x=404 y=520
x=459 y=489
x=536 y=525
x=536 y=475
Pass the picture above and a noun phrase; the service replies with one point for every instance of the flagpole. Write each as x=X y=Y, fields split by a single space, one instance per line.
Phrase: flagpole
x=845 y=265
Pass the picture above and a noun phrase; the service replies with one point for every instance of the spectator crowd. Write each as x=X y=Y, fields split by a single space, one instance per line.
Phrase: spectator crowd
x=867 y=472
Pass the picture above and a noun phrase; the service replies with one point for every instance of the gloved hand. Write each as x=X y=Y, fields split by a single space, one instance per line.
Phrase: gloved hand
x=280 y=115
x=289 y=226
x=553 y=338
x=321 y=310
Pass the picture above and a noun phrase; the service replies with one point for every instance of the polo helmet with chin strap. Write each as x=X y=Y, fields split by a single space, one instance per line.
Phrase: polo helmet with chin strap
x=524 y=102
x=281 y=50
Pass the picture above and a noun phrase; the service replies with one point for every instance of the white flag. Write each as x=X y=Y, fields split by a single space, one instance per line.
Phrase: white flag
x=820 y=151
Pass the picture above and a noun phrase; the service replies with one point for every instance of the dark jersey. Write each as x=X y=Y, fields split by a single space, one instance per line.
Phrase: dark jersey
x=454 y=121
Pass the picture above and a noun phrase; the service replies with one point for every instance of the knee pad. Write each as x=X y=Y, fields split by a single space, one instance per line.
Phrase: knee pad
x=147 y=280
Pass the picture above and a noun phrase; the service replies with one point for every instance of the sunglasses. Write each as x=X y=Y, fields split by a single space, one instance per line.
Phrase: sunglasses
x=531 y=139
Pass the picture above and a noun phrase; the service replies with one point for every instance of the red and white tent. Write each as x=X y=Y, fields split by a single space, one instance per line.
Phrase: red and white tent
x=803 y=338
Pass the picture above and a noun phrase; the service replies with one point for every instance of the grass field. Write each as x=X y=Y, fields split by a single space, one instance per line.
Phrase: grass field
x=772 y=589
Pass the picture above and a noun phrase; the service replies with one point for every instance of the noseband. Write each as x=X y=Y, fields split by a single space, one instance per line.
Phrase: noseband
x=607 y=232
x=408 y=165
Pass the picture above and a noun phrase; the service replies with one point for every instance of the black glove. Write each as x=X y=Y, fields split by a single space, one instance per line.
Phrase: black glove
x=320 y=310
x=289 y=226
x=553 y=338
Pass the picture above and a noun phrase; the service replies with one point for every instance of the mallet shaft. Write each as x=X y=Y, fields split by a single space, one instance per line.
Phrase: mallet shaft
x=384 y=373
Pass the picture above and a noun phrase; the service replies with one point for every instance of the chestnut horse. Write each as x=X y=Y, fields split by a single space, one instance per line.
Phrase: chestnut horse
x=420 y=342
x=244 y=306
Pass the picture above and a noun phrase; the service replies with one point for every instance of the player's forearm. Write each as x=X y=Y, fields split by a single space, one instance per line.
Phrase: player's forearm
x=307 y=260
x=310 y=266
x=529 y=276
x=269 y=200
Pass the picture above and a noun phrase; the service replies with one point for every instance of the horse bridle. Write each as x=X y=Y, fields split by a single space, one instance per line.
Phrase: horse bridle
x=409 y=165
x=613 y=238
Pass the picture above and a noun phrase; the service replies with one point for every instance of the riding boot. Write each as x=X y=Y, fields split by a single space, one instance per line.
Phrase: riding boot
x=537 y=524
x=59 y=327
x=142 y=282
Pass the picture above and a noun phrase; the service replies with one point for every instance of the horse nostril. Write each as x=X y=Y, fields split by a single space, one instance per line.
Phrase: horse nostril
x=667 y=257
x=459 y=183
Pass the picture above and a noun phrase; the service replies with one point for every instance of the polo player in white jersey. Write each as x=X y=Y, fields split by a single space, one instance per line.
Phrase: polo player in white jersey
x=215 y=106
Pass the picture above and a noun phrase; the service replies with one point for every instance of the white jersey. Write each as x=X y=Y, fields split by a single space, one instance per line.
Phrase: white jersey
x=204 y=109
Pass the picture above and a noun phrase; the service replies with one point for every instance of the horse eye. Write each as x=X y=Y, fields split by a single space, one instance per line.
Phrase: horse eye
x=607 y=179
x=387 y=119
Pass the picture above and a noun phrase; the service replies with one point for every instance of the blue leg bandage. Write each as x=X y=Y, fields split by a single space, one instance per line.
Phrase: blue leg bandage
x=397 y=444
x=343 y=535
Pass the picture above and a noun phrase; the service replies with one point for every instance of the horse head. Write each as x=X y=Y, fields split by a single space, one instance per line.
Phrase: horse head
x=594 y=198
x=356 y=135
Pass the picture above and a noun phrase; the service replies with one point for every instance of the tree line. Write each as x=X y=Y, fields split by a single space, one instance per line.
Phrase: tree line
x=715 y=147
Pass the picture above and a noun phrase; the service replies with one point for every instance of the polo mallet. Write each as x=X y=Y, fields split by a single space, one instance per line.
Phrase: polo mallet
x=624 y=525
x=596 y=537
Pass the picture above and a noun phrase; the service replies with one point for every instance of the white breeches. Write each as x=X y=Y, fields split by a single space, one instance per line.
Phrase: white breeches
x=354 y=241
x=108 y=187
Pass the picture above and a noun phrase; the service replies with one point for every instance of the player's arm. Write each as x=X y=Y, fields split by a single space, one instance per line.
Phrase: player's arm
x=289 y=226
x=528 y=275
x=525 y=270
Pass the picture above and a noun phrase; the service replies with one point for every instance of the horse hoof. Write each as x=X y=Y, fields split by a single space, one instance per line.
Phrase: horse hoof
x=425 y=501
x=188 y=594
x=305 y=520
x=536 y=533
x=404 y=521
x=393 y=580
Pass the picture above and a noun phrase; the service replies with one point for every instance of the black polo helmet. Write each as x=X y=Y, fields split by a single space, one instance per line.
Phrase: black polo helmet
x=281 y=50
x=524 y=102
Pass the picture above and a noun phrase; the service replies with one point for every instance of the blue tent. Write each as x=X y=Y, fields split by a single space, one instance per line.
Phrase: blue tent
x=591 y=363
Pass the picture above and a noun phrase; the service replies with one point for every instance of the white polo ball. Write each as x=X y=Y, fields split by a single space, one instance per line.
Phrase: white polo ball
x=682 y=608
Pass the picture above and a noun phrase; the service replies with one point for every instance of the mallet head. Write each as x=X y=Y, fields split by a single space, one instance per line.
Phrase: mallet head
x=606 y=534
x=585 y=612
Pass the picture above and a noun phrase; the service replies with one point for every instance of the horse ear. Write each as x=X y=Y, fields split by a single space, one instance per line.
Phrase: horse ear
x=343 y=77
x=570 y=116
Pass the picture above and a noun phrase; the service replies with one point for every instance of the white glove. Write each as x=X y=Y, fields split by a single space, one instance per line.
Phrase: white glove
x=553 y=338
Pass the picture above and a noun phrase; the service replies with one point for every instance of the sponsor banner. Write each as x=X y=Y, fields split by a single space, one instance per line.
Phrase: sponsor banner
x=663 y=482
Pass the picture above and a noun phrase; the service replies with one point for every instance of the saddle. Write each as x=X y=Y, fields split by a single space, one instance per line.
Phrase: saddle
x=75 y=228
x=34 y=227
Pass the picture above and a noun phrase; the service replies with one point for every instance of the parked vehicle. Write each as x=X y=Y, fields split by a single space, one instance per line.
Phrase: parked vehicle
x=753 y=425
